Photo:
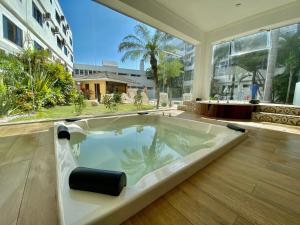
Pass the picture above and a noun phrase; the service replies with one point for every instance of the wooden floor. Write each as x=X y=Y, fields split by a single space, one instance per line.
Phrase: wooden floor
x=257 y=182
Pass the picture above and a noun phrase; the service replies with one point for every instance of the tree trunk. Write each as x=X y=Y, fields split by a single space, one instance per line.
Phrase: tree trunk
x=289 y=87
x=271 y=66
x=153 y=62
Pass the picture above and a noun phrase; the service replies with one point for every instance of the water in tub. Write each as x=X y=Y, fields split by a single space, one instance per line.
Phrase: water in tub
x=137 y=149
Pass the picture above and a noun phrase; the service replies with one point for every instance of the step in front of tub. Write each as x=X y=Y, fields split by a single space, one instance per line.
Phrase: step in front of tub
x=182 y=107
x=189 y=106
x=279 y=109
x=276 y=118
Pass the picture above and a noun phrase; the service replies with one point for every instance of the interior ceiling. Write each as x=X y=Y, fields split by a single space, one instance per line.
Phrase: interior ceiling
x=212 y=14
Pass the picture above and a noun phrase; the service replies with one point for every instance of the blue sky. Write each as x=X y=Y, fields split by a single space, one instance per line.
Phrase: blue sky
x=97 y=32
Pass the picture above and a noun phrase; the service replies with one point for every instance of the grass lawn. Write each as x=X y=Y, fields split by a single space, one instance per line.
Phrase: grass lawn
x=68 y=111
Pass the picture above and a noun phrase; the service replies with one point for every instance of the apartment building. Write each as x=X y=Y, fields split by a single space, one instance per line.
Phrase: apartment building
x=37 y=24
x=134 y=78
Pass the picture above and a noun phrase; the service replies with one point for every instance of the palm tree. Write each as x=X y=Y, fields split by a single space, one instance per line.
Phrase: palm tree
x=143 y=44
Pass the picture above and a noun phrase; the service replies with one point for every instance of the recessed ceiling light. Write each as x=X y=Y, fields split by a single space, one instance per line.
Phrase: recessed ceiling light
x=238 y=4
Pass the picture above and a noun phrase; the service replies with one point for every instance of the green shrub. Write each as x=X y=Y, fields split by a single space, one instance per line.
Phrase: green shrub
x=6 y=104
x=109 y=103
x=79 y=103
x=35 y=82
x=117 y=97
x=164 y=104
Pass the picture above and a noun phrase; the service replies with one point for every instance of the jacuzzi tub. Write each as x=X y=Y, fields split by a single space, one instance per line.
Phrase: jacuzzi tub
x=156 y=153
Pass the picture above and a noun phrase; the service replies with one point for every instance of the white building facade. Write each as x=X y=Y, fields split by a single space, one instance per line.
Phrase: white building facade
x=142 y=81
x=186 y=53
x=37 y=24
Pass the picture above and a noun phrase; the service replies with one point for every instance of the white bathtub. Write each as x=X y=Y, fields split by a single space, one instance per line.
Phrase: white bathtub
x=80 y=207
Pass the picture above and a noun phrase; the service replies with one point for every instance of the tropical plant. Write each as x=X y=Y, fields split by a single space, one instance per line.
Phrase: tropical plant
x=34 y=81
x=117 y=97
x=109 y=103
x=79 y=103
x=143 y=44
x=138 y=99
x=64 y=82
x=7 y=105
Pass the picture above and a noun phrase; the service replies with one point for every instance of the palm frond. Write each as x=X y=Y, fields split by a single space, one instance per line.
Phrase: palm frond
x=166 y=38
x=133 y=38
x=132 y=55
x=143 y=32
x=126 y=45
x=157 y=37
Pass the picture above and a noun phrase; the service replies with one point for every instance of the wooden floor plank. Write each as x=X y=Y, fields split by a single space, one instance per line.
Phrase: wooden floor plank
x=232 y=177
x=220 y=212
x=252 y=209
x=12 y=182
x=242 y=221
x=196 y=213
x=276 y=196
x=22 y=148
x=39 y=201
x=161 y=212
x=256 y=172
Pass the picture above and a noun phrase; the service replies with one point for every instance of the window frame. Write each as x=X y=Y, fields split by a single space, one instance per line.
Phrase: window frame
x=37 y=14
x=17 y=31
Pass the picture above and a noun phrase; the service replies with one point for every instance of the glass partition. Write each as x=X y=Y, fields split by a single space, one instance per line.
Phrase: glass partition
x=263 y=66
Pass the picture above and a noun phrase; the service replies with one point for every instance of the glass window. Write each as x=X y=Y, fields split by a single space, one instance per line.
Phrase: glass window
x=250 y=43
x=188 y=75
x=59 y=42
x=57 y=17
x=37 y=46
x=239 y=68
x=285 y=72
x=264 y=66
x=12 y=32
x=135 y=75
x=64 y=29
x=71 y=41
x=65 y=50
x=36 y=13
x=72 y=58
